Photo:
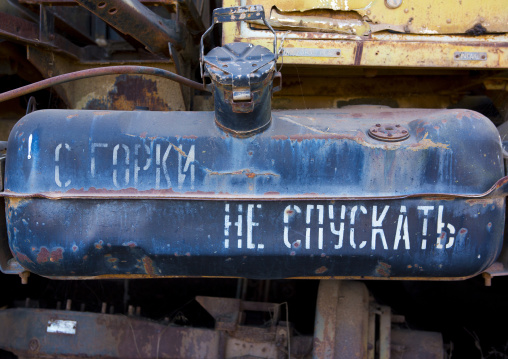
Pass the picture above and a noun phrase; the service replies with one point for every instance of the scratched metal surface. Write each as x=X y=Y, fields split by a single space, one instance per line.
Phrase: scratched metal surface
x=26 y=333
x=255 y=239
x=303 y=154
x=146 y=194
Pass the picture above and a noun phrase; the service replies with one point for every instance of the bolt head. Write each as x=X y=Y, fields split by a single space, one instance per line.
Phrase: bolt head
x=393 y=4
x=34 y=344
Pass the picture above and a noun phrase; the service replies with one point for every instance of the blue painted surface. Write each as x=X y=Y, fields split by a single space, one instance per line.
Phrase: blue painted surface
x=121 y=203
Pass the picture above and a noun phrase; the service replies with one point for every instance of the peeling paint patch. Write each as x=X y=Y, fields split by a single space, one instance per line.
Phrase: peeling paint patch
x=148 y=266
x=321 y=270
x=56 y=255
x=383 y=269
x=21 y=257
x=43 y=255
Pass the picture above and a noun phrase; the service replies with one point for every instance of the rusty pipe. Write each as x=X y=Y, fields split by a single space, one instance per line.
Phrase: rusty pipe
x=100 y=71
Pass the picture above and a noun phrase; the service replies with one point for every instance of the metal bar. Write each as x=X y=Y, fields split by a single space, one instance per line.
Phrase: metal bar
x=101 y=71
x=46 y=25
x=75 y=3
x=65 y=25
x=24 y=31
x=135 y=19
x=100 y=335
x=325 y=326
x=385 y=324
x=371 y=337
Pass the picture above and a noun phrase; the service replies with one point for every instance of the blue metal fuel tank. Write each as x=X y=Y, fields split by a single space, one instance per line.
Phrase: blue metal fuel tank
x=361 y=192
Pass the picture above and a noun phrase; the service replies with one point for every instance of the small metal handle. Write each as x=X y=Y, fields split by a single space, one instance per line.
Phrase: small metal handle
x=237 y=13
x=277 y=75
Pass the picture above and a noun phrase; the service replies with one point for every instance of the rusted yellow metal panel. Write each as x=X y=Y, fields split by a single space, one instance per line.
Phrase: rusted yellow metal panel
x=382 y=49
x=407 y=16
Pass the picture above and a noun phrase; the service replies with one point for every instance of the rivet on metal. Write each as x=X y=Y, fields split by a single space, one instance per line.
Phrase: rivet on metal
x=393 y=4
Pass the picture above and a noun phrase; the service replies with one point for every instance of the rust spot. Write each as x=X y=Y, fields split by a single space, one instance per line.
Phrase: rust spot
x=463 y=231
x=129 y=244
x=323 y=255
x=383 y=269
x=56 y=255
x=477 y=30
x=250 y=153
x=191 y=137
x=99 y=245
x=143 y=134
x=43 y=255
x=358 y=53
x=179 y=150
x=71 y=116
x=280 y=137
x=296 y=244
x=74 y=248
x=272 y=193
x=187 y=254
x=148 y=265
x=21 y=257
x=292 y=253
x=321 y=270
x=112 y=260
x=85 y=257
x=246 y=172
x=129 y=92
x=201 y=193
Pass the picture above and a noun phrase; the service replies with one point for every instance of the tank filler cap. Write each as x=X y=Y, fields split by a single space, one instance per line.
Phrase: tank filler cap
x=242 y=76
x=389 y=132
x=241 y=66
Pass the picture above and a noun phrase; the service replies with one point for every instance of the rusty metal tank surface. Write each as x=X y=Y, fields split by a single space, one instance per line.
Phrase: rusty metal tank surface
x=126 y=194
